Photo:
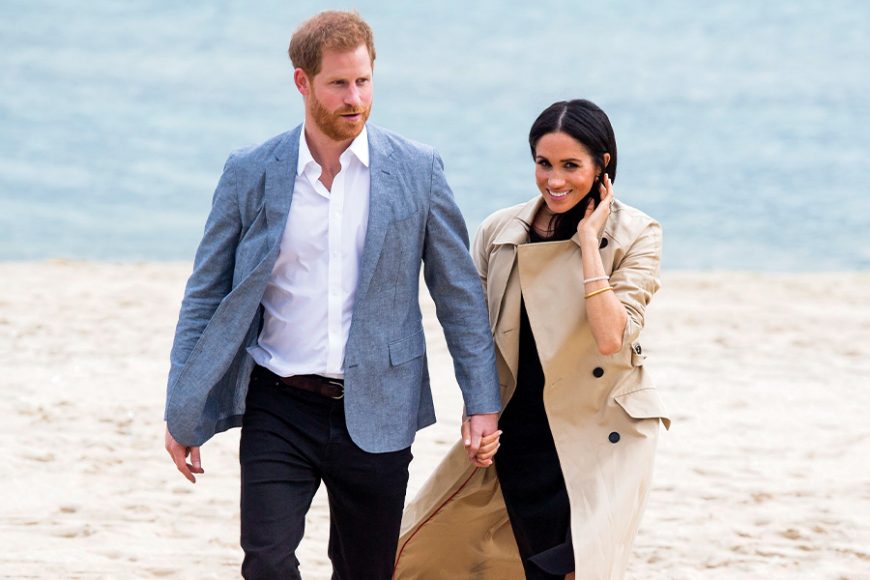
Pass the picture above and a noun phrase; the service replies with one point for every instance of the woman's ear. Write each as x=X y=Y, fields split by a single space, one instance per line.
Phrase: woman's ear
x=606 y=160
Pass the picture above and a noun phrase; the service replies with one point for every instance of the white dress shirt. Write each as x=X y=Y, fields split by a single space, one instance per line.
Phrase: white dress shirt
x=309 y=298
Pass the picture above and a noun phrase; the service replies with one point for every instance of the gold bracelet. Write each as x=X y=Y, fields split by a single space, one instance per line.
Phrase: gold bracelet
x=599 y=291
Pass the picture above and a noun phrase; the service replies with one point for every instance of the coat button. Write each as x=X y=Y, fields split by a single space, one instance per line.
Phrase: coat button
x=637 y=348
x=613 y=437
x=598 y=372
x=602 y=243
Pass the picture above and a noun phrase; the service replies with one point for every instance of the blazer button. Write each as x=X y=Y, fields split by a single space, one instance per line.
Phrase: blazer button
x=613 y=437
x=637 y=348
x=602 y=243
x=598 y=372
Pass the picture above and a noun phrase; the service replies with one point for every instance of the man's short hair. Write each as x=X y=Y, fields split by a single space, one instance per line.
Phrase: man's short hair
x=330 y=30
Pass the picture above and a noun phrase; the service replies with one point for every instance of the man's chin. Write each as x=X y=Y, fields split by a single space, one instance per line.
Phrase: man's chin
x=347 y=130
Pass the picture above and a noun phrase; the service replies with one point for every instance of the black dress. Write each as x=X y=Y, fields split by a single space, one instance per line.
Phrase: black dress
x=529 y=472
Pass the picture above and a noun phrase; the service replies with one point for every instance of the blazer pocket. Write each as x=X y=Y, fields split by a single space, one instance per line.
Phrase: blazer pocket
x=407 y=349
x=644 y=404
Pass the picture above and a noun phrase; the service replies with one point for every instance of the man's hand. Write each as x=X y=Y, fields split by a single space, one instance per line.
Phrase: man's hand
x=179 y=454
x=480 y=436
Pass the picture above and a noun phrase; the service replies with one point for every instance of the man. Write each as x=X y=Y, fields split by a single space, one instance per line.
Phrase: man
x=301 y=320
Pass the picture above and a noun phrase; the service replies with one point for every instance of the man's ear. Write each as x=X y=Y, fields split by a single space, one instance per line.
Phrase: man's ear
x=303 y=84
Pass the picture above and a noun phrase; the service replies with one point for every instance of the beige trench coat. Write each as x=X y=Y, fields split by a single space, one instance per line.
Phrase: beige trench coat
x=457 y=527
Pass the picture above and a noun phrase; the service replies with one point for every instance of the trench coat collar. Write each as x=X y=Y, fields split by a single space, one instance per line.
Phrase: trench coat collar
x=516 y=231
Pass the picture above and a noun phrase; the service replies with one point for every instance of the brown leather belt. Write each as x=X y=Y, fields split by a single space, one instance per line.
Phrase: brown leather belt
x=332 y=388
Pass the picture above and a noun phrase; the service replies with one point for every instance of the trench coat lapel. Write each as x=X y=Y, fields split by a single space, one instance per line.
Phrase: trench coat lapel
x=503 y=292
x=551 y=278
x=504 y=286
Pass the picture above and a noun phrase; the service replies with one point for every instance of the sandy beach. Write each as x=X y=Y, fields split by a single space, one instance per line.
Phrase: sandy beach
x=765 y=473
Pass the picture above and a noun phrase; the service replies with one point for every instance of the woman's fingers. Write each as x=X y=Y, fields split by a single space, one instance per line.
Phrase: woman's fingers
x=488 y=448
x=486 y=454
x=590 y=207
x=608 y=187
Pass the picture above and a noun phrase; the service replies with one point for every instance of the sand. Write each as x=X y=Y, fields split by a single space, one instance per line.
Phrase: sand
x=765 y=473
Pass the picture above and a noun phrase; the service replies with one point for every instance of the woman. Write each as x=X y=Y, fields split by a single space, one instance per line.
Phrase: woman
x=568 y=276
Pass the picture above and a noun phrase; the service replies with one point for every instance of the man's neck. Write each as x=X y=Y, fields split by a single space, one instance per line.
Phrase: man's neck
x=325 y=151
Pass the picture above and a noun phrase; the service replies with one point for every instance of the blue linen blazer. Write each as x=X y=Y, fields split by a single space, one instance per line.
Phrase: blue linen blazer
x=413 y=220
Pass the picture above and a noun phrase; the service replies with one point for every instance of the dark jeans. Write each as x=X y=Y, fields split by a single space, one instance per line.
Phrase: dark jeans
x=291 y=441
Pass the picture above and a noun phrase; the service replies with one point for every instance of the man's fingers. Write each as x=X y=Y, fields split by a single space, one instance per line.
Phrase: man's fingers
x=178 y=453
x=487 y=439
x=178 y=456
x=481 y=425
x=475 y=443
x=196 y=463
x=466 y=432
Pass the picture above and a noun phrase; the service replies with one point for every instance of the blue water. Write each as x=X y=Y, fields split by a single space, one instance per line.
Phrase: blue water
x=744 y=127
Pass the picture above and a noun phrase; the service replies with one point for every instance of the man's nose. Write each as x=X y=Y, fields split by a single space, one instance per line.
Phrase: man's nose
x=353 y=98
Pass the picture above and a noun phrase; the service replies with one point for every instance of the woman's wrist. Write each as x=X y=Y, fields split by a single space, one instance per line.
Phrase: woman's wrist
x=589 y=239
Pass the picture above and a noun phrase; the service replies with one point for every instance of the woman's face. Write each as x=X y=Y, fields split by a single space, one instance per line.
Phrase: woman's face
x=564 y=171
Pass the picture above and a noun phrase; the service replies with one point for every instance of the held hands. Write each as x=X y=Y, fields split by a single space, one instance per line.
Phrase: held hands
x=596 y=216
x=179 y=454
x=480 y=435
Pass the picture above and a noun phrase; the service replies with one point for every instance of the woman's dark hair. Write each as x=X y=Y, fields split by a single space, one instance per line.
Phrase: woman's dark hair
x=586 y=123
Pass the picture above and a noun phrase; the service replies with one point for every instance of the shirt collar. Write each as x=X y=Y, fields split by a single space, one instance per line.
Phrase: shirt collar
x=359 y=148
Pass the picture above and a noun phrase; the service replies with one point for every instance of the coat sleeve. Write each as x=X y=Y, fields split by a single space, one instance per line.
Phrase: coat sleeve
x=459 y=303
x=212 y=276
x=635 y=278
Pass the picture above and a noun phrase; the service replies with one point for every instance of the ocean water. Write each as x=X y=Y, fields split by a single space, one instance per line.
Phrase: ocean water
x=744 y=127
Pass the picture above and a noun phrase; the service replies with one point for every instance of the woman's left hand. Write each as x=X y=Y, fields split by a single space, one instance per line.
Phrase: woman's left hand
x=595 y=217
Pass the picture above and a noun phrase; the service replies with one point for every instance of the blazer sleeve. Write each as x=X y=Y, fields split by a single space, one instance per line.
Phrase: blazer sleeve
x=212 y=276
x=480 y=254
x=635 y=278
x=455 y=288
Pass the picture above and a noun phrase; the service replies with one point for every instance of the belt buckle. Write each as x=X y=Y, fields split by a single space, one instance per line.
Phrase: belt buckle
x=340 y=386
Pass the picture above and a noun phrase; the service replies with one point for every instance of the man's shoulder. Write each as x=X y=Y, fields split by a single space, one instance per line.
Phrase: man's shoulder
x=258 y=155
x=398 y=144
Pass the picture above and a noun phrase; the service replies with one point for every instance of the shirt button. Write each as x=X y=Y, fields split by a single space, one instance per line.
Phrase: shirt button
x=613 y=437
x=598 y=372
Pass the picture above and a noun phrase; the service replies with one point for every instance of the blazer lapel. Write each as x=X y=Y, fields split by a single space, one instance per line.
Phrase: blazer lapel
x=280 y=177
x=384 y=185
